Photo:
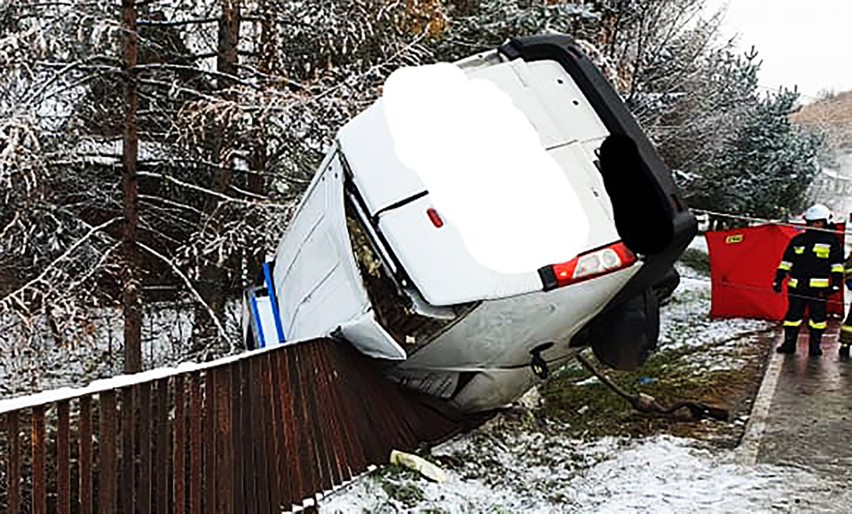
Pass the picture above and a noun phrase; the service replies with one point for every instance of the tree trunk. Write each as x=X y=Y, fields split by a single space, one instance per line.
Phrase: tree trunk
x=130 y=270
x=255 y=181
x=211 y=283
x=229 y=34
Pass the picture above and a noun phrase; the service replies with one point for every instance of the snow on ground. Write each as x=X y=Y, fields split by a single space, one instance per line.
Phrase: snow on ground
x=507 y=471
x=699 y=243
x=684 y=322
x=527 y=465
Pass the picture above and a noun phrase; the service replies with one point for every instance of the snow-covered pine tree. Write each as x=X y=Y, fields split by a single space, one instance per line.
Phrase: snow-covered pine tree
x=769 y=164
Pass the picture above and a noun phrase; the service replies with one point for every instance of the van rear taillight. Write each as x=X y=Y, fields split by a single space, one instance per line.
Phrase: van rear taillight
x=586 y=266
x=435 y=217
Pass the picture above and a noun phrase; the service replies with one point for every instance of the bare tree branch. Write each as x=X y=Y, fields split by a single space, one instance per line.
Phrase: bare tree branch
x=222 y=334
x=15 y=295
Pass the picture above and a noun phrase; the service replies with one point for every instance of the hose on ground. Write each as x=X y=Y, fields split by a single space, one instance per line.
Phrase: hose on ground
x=646 y=403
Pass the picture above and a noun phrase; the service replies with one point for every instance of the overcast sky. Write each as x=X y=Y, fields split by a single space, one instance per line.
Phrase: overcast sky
x=804 y=43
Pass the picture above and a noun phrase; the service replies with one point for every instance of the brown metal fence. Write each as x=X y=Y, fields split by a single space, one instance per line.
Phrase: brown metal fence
x=262 y=432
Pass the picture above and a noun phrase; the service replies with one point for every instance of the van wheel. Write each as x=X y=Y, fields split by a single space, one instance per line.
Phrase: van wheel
x=666 y=286
x=623 y=337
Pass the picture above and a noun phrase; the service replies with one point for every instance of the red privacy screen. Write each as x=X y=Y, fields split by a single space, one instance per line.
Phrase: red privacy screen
x=742 y=268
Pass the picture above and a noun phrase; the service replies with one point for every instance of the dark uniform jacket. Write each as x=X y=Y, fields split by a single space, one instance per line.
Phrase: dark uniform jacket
x=849 y=273
x=814 y=260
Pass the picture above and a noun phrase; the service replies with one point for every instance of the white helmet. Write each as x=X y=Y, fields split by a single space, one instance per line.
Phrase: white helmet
x=816 y=212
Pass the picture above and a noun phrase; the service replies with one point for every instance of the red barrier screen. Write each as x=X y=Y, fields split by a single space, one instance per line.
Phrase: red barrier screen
x=742 y=268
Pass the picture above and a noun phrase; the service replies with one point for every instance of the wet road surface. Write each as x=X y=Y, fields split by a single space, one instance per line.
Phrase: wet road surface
x=809 y=421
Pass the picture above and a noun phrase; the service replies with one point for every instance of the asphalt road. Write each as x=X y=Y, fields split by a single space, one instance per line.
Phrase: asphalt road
x=802 y=417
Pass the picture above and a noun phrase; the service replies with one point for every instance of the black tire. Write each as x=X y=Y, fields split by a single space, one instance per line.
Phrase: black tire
x=666 y=286
x=624 y=337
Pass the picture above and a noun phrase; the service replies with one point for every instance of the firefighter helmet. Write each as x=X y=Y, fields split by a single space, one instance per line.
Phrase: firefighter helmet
x=817 y=212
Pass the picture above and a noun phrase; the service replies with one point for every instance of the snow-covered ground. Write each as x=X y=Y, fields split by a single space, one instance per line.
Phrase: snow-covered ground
x=519 y=463
x=507 y=471
x=684 y=320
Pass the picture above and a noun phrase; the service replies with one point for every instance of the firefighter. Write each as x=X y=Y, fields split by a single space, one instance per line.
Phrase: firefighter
x=846 y=328
x=814 y=261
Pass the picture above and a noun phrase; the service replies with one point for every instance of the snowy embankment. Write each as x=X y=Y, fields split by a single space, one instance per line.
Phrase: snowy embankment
x=524 y=462
x=508 y=471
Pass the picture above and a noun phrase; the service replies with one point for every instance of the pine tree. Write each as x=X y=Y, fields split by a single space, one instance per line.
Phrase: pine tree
x=768 y=165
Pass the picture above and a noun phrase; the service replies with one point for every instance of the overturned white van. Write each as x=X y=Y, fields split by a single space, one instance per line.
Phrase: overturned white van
x=471 y=266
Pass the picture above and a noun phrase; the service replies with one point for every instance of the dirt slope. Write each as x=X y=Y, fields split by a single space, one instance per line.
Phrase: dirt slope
x=832 y=114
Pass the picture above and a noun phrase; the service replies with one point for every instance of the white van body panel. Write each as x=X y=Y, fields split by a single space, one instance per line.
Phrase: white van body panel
x=499 y=335
x=506 y=330
x=368 y=147
x=370 y=338
x=438 y=263
x=435 y=259
x=549 y=98
x=317 y=282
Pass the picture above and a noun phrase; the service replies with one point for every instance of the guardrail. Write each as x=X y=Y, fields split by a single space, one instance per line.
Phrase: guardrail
x=260 y=432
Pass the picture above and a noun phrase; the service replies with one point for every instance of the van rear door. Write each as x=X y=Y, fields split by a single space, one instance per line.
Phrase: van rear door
x=430 y=246
x=317 y=284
